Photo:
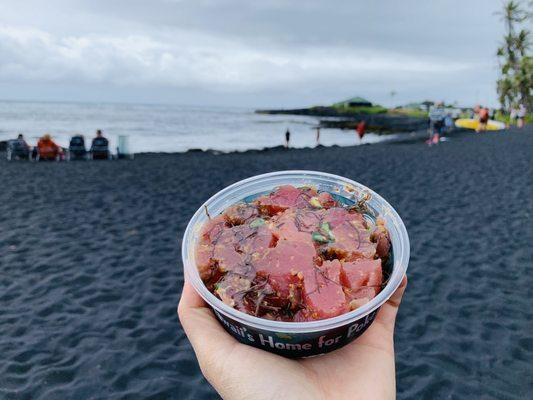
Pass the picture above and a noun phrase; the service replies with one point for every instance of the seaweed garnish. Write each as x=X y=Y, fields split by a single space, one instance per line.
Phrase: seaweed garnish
x=361 y=205
x=207 y=211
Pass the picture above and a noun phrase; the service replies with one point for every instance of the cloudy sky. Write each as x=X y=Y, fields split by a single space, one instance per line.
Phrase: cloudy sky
x=249 y=53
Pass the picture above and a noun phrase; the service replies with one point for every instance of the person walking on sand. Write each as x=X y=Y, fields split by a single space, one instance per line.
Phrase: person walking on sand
x=436 y=123
x=448 y=122
x=513 y=116
x=287 y=138
x=483 y=115
x=317 y=135
x=361 y=129
x=521 y=116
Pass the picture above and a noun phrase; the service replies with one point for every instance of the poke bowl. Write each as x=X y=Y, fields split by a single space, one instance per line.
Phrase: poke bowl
x=322 y=300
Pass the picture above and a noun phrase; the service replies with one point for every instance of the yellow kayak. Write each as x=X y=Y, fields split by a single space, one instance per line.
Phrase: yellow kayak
x=470 y=123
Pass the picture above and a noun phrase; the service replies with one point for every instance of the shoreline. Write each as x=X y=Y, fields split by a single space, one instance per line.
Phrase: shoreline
x=404 y=137
x=400 y=137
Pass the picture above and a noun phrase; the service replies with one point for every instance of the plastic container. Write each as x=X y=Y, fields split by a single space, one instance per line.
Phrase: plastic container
x=298 y=339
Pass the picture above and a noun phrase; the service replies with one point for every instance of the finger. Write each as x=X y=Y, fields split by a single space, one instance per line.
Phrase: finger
x=389 y=310
x=200 y=325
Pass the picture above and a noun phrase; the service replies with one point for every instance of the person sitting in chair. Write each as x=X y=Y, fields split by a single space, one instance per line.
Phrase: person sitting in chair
x=18 y=149
x=48 y=150
x=100 y=147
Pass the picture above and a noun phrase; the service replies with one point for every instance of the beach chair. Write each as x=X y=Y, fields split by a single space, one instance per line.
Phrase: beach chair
x=100 y=149
x=76 y=148
x=123 y=148
x=17 y=150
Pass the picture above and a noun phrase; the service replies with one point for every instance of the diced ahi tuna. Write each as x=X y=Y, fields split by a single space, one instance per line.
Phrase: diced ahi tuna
x=209 y=234
x=232 y=288
x=292 y=255
x=283 y=198
x=284 y=262
x=252 y=240
x=227 y=258
x=213 y=228
x=326 y=200
x=381 y=237
x=323 y=292
x=204 y=260
x=240 y=213
x=362 y=278
x=351 y=238
x=308 y=220
x=294 y=225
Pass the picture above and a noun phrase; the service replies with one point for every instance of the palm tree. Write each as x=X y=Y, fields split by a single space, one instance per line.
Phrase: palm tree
x=516 y=73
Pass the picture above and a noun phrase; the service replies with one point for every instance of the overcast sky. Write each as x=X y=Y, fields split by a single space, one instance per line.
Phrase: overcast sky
x=249 y=53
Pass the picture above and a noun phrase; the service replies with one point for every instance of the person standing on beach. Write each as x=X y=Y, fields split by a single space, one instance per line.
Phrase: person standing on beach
x=317 y=135
x=436 y=123
x=287 y=138
x=521 y=116
x=361 y=129
x=483 y=119
x=513 y=116
x=448 y=122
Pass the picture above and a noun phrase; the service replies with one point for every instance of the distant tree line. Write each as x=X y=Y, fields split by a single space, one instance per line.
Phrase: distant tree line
x=515 y=84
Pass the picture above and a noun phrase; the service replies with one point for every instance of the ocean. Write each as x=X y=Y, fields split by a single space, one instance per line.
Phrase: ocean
x=168 y=128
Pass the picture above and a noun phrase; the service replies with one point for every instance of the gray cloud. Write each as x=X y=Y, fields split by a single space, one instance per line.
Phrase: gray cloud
x=272 y=52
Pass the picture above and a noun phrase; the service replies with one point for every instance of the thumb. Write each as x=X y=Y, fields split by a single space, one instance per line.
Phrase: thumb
x=206 y=335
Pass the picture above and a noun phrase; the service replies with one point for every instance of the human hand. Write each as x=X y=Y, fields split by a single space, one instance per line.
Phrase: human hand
x=363 y=369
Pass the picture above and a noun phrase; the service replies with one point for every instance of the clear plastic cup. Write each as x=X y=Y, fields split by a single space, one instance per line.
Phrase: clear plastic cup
x=298 y=339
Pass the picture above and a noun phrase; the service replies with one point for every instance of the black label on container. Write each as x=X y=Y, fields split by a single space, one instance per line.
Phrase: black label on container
x=295 y=345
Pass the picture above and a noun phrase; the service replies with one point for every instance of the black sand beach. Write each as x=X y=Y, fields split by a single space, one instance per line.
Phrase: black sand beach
x=90 y=269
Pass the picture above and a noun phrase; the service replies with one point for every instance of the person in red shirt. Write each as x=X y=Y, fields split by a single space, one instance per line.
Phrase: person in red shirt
x=361 y=129
x=48 y=149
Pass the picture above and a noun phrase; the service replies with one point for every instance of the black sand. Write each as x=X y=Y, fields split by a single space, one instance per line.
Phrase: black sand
x=90 y=270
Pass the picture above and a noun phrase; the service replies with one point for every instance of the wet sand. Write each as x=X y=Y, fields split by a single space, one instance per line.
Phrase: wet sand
x=90 y=269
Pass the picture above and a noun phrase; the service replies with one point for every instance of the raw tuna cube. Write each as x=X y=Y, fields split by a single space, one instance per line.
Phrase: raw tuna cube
x=232 y=288
x=308 y=220
x=323 y=293
x=284 y=262
x=362 y=278
x=227 y=259
x=213 y=228
x=252 y=240
x=204 y=260
x=326 y=200
x=380 y=236
x=351 y=238
x=293 y=226
x=338 y=216
x=285 y=197
x=240 y=213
